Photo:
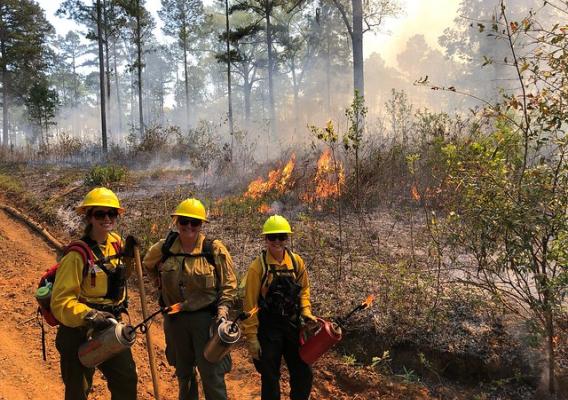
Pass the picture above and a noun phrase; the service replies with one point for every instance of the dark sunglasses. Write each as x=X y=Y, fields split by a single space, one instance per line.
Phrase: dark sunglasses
x=277 y=236
x=192 y=221
x=100 y=214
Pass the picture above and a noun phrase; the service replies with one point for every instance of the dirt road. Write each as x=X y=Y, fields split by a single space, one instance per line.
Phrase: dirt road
x=24 y=256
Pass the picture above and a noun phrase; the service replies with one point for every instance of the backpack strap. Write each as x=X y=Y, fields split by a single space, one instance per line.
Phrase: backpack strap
x=206 y=250
x=266 y=267
x=84 y=250
x=168 y=243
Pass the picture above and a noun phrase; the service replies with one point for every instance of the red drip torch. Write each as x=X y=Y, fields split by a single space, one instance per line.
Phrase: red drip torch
x=328 y=333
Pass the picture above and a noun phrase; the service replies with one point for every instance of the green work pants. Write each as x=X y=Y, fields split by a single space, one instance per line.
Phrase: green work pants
x=119 y=371
x=189 y=333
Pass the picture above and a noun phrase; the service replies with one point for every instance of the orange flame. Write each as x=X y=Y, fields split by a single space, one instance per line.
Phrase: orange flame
x=368 y=301
x=414 y=193
x=278 y=179
x=175 y=308
x=264 y=208
x=328 y=180
x=154 y=229
x=252 y=312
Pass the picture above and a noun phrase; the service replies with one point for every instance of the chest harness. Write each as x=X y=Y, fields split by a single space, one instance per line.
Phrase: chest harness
x=280 y=299
x=116 y=277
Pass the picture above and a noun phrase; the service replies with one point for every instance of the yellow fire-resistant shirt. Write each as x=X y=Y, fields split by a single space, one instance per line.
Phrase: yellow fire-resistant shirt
x=253 y=289
x=201 y=283
x=72 y=288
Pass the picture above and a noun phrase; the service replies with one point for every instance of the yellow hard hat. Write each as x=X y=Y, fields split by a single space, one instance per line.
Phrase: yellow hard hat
x=276 y=224
x=100 y=197
x=191 y=208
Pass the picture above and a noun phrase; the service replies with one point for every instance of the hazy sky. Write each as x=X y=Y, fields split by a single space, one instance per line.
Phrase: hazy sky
x=427 y=17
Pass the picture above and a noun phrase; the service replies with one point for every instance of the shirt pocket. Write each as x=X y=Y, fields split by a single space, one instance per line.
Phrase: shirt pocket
x=204 y=274
x=170 y=275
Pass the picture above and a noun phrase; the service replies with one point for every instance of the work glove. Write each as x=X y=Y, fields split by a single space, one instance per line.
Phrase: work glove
x=129 y=245
x=222 y=314
x=311 y=323
x=254 y=348
x=98 y=320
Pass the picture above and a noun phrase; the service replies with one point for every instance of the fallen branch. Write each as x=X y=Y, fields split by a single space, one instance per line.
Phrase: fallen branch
x=34 y=225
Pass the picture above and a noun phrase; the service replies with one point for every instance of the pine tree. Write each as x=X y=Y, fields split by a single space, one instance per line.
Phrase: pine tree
x=24 y=32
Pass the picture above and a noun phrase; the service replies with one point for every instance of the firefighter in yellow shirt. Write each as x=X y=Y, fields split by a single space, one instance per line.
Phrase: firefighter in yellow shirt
x=85 y=297
x=197 y=273
x=277 y=283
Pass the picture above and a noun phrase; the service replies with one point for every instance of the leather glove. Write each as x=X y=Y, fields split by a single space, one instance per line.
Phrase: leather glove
x=254 y=348
x=98 y=320
x=222 y=313
x=129 y=245
x=311 y=323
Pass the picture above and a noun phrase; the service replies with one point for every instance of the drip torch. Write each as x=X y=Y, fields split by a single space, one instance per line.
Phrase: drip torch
x=104 y=344
x=328 y=333
x=223 y=336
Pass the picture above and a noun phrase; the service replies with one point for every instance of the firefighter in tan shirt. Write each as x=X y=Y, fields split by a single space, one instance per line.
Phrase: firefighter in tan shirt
x=277 y=283
x=199 y=274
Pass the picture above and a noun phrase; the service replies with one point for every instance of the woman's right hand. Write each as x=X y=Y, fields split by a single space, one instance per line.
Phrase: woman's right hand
x=98 y=320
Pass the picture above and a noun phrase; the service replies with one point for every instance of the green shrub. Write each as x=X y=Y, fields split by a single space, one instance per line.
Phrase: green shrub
x=103 y=175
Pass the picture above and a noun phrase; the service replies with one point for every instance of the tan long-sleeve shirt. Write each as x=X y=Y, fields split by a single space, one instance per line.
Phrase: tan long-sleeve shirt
x=193 y=280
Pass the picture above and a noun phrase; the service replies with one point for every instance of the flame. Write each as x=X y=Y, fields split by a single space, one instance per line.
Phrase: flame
x=414 y=193
x=264 y=208
x=368 y=301
x=252 y=312
x=328 y=180
x=154 y=229
x=175 y=308
x=278 y=180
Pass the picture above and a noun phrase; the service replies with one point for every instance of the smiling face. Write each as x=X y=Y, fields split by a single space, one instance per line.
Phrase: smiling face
x=102 y=219
x=275 y=244
x=188 y=228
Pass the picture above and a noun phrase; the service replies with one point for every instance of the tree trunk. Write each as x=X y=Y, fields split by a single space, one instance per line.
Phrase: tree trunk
x=229 y=89
x=357 y=42
x=186 y=83
x=139 y=65
x=101 y=76
x=328 y=76
x=550 y=351
x=271 y=111
x=116 y=84
x=4 y=92
x=247 y=87
x=4 y=106
x=107 y=66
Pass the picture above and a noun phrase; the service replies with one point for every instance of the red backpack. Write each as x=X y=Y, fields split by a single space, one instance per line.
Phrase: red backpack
x=48 y=278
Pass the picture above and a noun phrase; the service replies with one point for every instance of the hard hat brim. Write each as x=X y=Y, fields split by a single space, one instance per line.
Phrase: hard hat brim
x=189 y=216
x=82 y=210
x=277 y=231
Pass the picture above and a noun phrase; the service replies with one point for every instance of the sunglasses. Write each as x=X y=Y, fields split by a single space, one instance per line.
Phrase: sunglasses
x=100 y=214
x=189 y=221
x=277 y=236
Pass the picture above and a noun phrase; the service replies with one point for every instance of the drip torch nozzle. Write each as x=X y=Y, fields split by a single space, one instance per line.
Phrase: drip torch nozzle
x=364 y=304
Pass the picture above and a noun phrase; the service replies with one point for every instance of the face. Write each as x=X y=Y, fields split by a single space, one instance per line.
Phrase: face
x=276 y=243
x=188 y=228
x=103 y=219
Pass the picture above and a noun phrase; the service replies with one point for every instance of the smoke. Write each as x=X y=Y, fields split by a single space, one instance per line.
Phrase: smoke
x=406 y=50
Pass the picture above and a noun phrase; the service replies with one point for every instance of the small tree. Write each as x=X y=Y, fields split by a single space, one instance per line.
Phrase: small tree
x=42 y=103
x=509 y=187
x=353 y=138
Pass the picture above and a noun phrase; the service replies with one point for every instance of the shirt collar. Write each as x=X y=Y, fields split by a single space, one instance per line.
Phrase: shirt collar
x=285 y=262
